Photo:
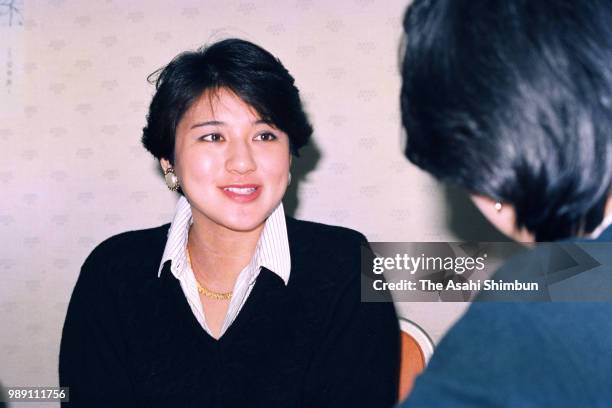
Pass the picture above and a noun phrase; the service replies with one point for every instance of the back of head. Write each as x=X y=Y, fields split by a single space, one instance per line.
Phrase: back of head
x=513 y=99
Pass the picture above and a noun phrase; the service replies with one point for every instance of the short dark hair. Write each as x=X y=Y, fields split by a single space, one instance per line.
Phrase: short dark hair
x=513 y=100
x=249 y=71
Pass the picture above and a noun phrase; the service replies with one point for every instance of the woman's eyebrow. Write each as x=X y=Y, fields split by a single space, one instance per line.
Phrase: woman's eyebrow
x=221 y=123
x=208 y=123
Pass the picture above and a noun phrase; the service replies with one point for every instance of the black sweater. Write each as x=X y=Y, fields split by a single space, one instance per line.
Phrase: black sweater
x=130 y=338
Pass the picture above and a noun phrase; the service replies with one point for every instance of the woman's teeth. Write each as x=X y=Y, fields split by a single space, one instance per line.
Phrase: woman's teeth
x=237 y=190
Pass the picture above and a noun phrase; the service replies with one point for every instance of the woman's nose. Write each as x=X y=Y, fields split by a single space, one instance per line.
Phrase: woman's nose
x=240 y=158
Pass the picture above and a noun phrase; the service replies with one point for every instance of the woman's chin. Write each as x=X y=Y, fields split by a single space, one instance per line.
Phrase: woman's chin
x=243 y=223
x=235 y=217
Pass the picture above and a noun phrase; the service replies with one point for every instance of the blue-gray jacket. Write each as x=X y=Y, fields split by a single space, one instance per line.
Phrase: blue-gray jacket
x=528 y=354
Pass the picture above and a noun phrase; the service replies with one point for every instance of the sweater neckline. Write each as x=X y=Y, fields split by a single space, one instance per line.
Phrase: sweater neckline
x=268 y=288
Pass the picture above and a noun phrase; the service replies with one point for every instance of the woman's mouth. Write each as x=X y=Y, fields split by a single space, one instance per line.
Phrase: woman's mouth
x=242 y=193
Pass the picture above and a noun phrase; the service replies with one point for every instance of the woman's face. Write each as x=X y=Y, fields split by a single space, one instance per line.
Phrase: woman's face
x=233 y=167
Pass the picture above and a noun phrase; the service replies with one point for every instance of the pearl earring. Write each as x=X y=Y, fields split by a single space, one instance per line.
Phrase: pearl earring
x=172 y=180
x=498 y=206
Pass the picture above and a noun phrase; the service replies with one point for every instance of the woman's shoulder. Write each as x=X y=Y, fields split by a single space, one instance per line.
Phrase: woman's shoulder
x=325 y=248
x=120 y=265
x=131 y=241
x=322 y=234
x=129 y=249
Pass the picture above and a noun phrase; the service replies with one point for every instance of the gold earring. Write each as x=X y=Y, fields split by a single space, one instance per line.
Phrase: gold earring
x=171 y=180
x=498 y=206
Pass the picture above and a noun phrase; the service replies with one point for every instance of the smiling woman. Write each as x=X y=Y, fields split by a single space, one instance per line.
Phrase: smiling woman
x=233 y=301
x=227 y=156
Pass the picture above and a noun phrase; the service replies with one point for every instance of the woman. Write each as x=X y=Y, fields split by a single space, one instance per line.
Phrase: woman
x=233 y=304
x=511 y=100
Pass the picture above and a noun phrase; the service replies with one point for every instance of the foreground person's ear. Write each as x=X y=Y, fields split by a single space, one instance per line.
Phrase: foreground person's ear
x=502 y=216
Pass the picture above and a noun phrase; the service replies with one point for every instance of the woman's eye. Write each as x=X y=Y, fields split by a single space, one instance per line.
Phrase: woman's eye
x=265 y=137
x=213 y=137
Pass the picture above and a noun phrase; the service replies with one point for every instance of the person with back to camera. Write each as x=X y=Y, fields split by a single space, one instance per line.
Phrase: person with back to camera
x=232 y=304
x=512 y=100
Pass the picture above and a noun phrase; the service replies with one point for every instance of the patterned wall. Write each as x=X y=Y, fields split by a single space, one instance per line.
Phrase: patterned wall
x=73 y=100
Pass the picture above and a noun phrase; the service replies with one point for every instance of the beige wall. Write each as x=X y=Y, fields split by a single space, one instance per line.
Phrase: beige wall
x=74 y=172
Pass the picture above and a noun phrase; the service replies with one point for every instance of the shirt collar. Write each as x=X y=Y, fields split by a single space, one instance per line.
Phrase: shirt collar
x=177 y=239
x=272 y=249
x=273 y=246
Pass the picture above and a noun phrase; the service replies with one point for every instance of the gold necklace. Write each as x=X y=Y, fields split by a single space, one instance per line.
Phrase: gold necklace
x=212 y=294
x=204 y=290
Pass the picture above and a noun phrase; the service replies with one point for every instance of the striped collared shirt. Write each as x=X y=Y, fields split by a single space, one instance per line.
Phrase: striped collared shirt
x=272 y=253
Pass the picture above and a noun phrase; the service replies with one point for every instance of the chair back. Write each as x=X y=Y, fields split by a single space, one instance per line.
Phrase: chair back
x=416 y=350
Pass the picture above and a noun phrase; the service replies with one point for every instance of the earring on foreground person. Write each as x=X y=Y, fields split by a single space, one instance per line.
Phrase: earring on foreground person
x=503 y=216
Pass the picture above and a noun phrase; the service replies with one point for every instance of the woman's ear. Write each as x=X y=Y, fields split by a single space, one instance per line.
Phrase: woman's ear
x=165 y=164
x=502 y=216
